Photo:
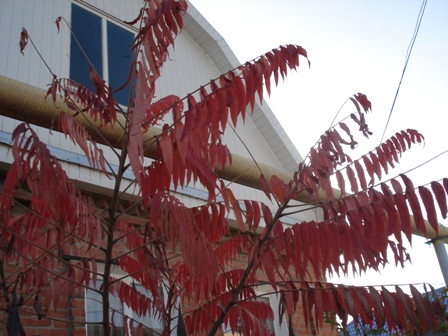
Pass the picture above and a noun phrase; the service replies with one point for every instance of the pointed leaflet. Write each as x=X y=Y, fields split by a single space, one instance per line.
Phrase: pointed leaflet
x=415 y=136
x=389 y=152
x=72 y=128
x=445 y=184
x=265 y=187
x=426 y=320
x=236 y=210
x=376 y=164
x=377 y=307
x=403 y=210
x=428 y=202
x=352 y=142
x=414 y=204
x=392 y=213
x=408 y=305
x=363 y=101
x=382 y=159
x=23 y=40
x=361 y=176
x=341 y=183
x=352 y=178
x=394 y=308
x=365 y=302
x=438 y=191
x=279 y=188
x=166 y=146
x=395 y=148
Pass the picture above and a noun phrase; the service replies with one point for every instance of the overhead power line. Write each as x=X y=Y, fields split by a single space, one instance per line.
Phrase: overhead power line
x=408 y=55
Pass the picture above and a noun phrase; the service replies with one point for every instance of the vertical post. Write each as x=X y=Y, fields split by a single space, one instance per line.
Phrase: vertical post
x=442 y=256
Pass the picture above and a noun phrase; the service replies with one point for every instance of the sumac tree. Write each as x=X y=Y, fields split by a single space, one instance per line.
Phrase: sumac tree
x=199 y=269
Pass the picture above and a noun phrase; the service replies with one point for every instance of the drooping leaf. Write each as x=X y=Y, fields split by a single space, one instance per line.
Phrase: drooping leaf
x=414 y=204
x=439 y=192
x=23 y=40
x=428 y=202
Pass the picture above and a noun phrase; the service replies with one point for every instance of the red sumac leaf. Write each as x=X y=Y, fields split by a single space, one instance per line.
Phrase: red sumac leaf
x=341 y=183
x=382 y=159
x=58 y=23
x=365 y=103
x=278 y=188
x=406 y=137
x=236 y=210
x=438 y=191
x=257 y=214
x=166 y=146
x=23 y=40
x=352 y=178
x=377 y=307
x=356 y=104
x=369 y=167
x=361 y=176
x=414 y=204
x=415 y=136
x=394 y=309
x=408 y=305
x=267 y=214
x=445 y=184
x=422 y=309
x=375 y=164
x=249 y=212
x=366 y=303
x=428 y=202
x=265 y=187
x=392 y=213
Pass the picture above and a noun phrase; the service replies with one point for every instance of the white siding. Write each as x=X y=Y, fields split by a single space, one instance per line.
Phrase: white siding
x=38 y=18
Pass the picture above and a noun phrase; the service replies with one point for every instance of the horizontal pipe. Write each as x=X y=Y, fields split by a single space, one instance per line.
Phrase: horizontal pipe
x=26 y=103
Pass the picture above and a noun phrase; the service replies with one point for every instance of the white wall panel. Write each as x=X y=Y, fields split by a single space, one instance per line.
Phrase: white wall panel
x=38 y=18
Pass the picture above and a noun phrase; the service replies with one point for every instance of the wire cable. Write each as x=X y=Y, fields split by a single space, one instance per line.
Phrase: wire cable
x=408 y=55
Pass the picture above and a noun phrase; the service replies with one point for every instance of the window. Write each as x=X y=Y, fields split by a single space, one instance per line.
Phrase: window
x=107 y=45
x=94 y=313
x=269 y=323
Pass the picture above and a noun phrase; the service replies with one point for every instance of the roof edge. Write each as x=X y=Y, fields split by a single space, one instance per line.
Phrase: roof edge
x=225 y=60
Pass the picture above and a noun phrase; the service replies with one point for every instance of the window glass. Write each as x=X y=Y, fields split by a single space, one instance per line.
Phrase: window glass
x=119 y=43
x=87 y=29
x=269 y=322
x=94 y=313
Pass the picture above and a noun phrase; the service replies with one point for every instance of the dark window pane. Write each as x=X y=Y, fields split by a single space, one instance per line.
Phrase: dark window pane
x=87 y=29
x=119 y=43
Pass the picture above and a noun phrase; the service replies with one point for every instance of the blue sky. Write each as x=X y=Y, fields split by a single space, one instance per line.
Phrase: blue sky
x=355 y=46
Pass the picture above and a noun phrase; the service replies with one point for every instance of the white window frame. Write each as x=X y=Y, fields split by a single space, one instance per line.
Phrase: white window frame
x=127 y=311
x=105 y=17
x=265 y=291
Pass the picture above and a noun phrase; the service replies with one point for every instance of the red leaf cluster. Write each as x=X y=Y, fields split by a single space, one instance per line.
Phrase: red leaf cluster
x=371 y=306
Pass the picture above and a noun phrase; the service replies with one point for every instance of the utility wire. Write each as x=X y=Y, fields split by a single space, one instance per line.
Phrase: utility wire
x=408 y=55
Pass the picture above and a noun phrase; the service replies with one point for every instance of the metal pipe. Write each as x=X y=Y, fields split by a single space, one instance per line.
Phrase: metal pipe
x=26 y=103
x=442 y=256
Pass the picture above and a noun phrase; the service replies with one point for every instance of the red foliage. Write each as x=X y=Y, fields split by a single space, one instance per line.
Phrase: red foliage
x=209 y=259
